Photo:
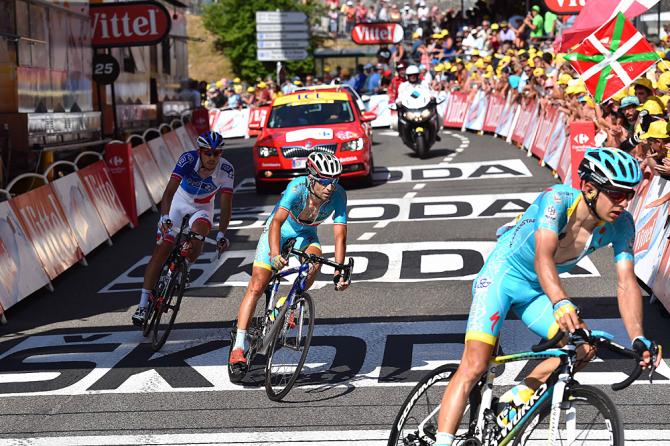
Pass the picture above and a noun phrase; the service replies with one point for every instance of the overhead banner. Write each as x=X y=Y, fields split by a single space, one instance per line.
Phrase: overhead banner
x=103 y=195
x=565 y=7
x=128 y=24
x=377 y=33
x=21 y=272
x=457 y=110
x=173 y=144
x=80 y=212
x=154 y=181
x=44 y=223
x=477 y=112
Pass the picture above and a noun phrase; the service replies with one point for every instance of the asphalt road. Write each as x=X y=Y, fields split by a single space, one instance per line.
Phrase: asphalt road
x=74 y=371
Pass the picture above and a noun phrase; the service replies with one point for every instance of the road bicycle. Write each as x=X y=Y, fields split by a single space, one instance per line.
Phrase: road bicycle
x=283 y=332
x=166 y=296
x=561 y=412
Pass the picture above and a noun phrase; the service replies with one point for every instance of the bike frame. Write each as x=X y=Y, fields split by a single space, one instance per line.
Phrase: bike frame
x=297 y=288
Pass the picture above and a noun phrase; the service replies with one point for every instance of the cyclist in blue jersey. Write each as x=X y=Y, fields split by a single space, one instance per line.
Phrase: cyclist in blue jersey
x=196 y=179
x=561 y=226
x=306 y=203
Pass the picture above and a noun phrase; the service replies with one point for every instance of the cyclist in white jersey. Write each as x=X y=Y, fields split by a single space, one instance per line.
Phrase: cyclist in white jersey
x=196 y=179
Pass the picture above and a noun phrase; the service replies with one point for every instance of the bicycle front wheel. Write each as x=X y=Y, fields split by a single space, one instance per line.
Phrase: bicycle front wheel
x=167 y=306
x=416 y=422
x=289 y=347
x=587 y=417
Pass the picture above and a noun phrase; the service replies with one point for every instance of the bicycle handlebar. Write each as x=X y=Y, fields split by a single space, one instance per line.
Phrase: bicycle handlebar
x=597 y=338
x=345 y=268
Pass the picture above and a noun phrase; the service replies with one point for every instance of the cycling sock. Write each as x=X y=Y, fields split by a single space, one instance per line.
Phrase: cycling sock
x=444 y=439
x=241 y=340
x=144 y=299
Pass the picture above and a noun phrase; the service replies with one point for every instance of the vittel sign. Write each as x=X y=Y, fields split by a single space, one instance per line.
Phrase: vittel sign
x=377 y=33
x=565 y=6
x=129 y=24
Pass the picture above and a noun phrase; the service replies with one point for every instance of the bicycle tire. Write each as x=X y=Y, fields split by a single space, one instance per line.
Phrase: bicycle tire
x=150 y=319
x=613 y=431
x=280 y=388
x=177 y=283
x=439 y=375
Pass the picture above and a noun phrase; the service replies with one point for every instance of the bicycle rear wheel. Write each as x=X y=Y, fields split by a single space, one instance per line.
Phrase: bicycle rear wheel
x=167 y=308
x=589 y=418
x=416 y=422
x=288 y=350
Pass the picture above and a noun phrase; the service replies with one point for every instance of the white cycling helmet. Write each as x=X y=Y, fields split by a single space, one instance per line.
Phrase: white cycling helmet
x=412 y=69
x=323 y=165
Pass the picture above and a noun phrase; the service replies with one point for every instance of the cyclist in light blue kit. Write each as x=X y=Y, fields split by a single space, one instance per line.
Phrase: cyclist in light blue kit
x=306 y=203
x=561 y=226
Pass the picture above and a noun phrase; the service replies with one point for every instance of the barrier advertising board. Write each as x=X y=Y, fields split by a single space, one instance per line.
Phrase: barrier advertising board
x=154 y=180
x=457 y=110
x=119 y=159
x=44 y=223
x=21 y=272
x=83 y=218
x=494 y=113
x=173 y=144
x=477 y=112
x=103 y=195
x=582 y=137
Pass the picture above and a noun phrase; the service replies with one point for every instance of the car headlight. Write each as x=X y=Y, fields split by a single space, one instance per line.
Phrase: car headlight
x=412 y=116
x=355 y=145
x=425 y=114
x=266 y=152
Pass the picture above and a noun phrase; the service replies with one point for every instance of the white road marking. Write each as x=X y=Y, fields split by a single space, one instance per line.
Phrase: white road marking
x=304 y=438
x=459 y=150
x=419 y=186
x=366 y=236
x=369 y=363
x=389 y=133
x=409 y=195
x=382 y=224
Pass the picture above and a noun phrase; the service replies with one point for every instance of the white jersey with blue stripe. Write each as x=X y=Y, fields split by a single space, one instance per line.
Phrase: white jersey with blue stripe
x=202 y=190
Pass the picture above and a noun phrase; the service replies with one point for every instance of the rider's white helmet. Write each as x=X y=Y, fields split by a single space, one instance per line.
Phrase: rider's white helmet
x=412 y=69
x=323 y=165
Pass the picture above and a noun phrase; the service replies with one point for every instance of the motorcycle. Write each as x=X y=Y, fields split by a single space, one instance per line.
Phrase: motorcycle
x=418 y=121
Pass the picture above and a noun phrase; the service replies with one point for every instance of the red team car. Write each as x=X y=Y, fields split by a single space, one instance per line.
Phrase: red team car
x=326 y=119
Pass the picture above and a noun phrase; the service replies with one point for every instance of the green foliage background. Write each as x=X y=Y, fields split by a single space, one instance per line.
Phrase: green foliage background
x=233 y=22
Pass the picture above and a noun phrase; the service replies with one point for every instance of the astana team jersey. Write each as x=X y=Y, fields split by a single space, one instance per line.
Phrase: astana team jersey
x=508 y=279
x=302 y=221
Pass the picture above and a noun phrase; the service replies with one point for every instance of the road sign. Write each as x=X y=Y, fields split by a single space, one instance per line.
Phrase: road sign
x=276 y=44
x=280 y=17
x=278 y=55
x=281 y=27
x=282 y=36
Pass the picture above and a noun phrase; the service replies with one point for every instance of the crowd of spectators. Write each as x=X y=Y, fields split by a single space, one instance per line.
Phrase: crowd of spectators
x=512 y=56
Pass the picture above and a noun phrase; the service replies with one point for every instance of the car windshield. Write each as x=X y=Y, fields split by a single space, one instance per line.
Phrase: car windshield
x=317 y=113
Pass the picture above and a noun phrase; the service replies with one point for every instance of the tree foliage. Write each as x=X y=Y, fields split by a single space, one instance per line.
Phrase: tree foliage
x=234 y=24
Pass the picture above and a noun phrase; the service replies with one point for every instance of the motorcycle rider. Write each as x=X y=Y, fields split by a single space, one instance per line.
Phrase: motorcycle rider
x=415 y=86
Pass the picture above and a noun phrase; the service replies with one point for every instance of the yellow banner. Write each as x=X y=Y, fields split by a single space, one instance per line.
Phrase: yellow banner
x=310 y=97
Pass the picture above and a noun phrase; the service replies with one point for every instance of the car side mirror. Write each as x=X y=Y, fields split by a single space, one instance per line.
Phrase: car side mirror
x=365 y=98
x=368 y=116
x=255 y=126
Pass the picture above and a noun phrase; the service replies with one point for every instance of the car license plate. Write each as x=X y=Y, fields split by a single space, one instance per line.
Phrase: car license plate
x=299 y=163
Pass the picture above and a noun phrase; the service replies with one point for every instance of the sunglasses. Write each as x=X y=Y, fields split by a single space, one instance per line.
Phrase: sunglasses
x=326 y=181
x=212 y=152
x=618 y=196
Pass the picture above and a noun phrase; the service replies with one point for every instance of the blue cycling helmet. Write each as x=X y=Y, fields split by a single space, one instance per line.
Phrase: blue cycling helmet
x=610 y=169
x=210 y=140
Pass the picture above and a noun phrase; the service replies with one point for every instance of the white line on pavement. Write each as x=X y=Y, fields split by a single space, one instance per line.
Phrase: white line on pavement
x=409 y=195
x=459 y=150
x=366 y=236
x=382 y=224
x=304 y=438
x=419 y=186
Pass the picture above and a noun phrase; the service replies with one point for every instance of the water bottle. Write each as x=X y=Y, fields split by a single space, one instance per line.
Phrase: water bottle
x=275 y=311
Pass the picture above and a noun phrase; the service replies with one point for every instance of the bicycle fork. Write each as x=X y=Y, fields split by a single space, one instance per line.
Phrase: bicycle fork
x=557 y=403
